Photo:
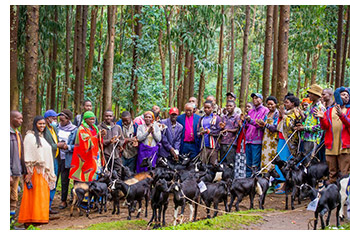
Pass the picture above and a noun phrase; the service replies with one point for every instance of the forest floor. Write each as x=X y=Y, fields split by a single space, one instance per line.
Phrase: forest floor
x=275 y=217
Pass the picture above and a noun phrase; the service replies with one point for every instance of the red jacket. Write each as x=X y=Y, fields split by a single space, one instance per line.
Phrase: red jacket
x=326 y=124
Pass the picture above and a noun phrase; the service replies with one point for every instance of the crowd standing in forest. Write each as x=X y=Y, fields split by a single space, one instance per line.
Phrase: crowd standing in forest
x=241 y=137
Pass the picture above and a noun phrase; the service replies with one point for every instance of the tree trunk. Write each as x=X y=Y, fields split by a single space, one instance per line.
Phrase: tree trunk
x=30 y=68
x=67 y=80
x=333 y=69
x=100 y=45
x=339 y=47
x=267 y=51
x=54 y=63
x=314 y=66
x=14 y=90
x=78 y=61
x=76 y=25
x=220 y=64
x=134 y=78
x=275 y=52
x=48 y=81
x=282 y=76
x=201 y=90
x=179 y=81
x=192 y=72
x=186 y=84
x=244 y=58
x=108 y=60
x=171 y=76
x=329 y=69
x=83 y=52
x=90 y=62
x=161 y=55
x=345 y=48
x=299 y=79
x=230 y=77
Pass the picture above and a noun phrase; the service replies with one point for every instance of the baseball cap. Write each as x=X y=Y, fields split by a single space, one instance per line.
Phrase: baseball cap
x=174 y=110
x=50 y=113
x=231 y=94
x=257 y=95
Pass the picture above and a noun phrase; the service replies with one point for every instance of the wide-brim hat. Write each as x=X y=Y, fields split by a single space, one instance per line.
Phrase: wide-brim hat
x=315 y=89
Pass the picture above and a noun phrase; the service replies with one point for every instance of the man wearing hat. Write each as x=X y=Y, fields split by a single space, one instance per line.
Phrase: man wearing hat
x=230 y=96
x=254 y=134
x=171 y=136
x=66 y=133
x=50 y=135
x=310 y=129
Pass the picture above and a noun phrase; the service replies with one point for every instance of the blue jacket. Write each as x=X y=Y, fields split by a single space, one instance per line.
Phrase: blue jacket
x=181 y=119
x=69 y=151
x=120 y=123
x=170 y=140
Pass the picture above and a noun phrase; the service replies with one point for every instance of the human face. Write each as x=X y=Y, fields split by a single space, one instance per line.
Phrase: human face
x=344 y=97
x=230 y=107
x=271 y=105
x=108 y=117
x=173 y=117
x=193 y=100
x=305 y=106
x=313 y=97
x=288 y=104
x=326 y=96
x=90 y=121
x=64 y=120
x=17 y=120
x=156 y=110
x=41 y=125
x=248 y=107
x=257 y=101
x=50 y=120
x=211 y=98
x=87 y=106
x=188 y=111
x=208 y=108
x=148 y=119
x=126 y=121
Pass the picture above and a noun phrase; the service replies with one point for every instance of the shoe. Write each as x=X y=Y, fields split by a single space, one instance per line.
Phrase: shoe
x=63 y=205
x=18 y=228
x=53 y=211
x=280 y=191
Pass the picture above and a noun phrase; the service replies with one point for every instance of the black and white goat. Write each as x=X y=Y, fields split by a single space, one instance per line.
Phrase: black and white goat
x=159 y=202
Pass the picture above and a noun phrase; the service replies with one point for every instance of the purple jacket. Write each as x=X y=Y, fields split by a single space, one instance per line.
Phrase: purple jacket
x=170 y=139
x=254 y=134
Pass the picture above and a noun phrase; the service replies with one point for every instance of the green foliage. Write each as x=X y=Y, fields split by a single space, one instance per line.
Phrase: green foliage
x=120 y=225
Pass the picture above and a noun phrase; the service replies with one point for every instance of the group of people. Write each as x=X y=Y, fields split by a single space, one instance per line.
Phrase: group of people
x=79 y=148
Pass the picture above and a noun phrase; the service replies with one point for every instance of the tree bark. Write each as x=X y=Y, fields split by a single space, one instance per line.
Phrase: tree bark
x=282 y=76
x=179 y=81
x=83 y=52
x=333 y=69
x=275 y=52
x=267 y=51
x=67 y=77
x=346 y=39
x=244 y=58
x=14 y=90
x=76 y=25
x=90 y=62
x=329 y=69
x=100 y=45
x=78 y=61
x=161 y=55
x=30 y=68
x=339 y=47
x=186 y=84
x=201 y=89
x=192 y=72
x=230 y=77
x=54 y=63
x=170 y=54
x=108 y=60
x=219 y=81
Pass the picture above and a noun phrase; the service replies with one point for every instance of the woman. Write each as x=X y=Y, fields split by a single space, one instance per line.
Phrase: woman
x=66 y=133
x=289 y=116
x=149 y=136
x=41 y=177
x=270 y=140
x=86 y=160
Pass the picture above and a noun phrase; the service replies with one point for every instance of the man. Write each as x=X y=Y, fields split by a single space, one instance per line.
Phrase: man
x=311 y=132
x=327 y=98
x=190 y=142
x=113 y=141
x=209 y=129
x=216 y=108
x=140 y=119
x=254 y=132
x=229 y=126
x=17 y=165
x=50 y=135
x=87 y=106
x=130 y=147
x=336 y=123
x=230 y=96
x=171 y=136
x=194 y=101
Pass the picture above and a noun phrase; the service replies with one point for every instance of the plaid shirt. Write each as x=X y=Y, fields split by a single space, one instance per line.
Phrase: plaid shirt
x=312 y=127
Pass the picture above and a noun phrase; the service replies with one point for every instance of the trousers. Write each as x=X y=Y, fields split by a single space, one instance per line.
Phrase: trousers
x=253 y=152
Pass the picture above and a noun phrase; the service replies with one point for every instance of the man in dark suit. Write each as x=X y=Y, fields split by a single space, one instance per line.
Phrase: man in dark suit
x=190 y=142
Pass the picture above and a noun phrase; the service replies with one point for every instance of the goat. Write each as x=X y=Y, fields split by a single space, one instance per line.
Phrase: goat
x=190 y=189
x=343 y=183
x=159 y=201
x=216 y=193
x=264 y=181
x=98 y=190
x=79 y=191
x=134 y=192
x=329 y=199
x=316 y=171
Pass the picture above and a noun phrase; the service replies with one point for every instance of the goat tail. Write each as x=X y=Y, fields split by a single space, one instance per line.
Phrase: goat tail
x=258 y=189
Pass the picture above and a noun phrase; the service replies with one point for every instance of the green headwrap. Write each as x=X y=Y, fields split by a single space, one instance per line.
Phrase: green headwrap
x=88 y=114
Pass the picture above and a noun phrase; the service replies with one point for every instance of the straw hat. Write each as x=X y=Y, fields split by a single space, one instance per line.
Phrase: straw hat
x=315 y=89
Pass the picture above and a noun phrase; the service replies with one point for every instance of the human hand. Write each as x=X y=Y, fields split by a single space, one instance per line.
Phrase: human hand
x=338 y=110
x=103 y=132
x=28 y=178
x=318 y=113
x=248 y=118
x=150 y=130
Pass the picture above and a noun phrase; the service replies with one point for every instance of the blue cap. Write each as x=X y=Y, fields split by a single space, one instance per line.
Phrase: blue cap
x=50 y=113
x=257 y=95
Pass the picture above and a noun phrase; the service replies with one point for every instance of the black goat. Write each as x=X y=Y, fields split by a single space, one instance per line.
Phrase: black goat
x=216 y=193
x=135 y=192
x=98 y=191
x=329 y=199
x=190 y=189
x=316 y=171
x=159 y=201
x=264 y=181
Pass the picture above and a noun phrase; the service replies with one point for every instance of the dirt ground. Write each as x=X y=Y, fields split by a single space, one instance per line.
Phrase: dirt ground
x=272 y=220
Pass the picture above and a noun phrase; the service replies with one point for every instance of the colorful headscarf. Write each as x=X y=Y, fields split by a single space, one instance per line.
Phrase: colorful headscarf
x=307 y=100
x=151 y=113
x=89 y=114
x=337 y=97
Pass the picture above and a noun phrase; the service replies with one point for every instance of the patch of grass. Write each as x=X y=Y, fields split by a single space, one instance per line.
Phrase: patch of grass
x=120 y=225
x=224 y=222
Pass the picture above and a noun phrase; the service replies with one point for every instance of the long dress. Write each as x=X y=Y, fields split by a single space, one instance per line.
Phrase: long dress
x=269 y=141
x=86 y=159
x=39 y=162
x=240 y=163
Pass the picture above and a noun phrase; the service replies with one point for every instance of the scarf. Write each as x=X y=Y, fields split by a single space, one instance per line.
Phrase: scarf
x=68 y=128
x=89 y=114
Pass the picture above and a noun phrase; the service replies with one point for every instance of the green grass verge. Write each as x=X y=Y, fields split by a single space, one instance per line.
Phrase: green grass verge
x=120 y=225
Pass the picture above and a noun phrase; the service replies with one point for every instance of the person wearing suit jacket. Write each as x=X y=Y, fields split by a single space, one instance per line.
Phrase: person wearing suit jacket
x=190 y=142
x=171 y=136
